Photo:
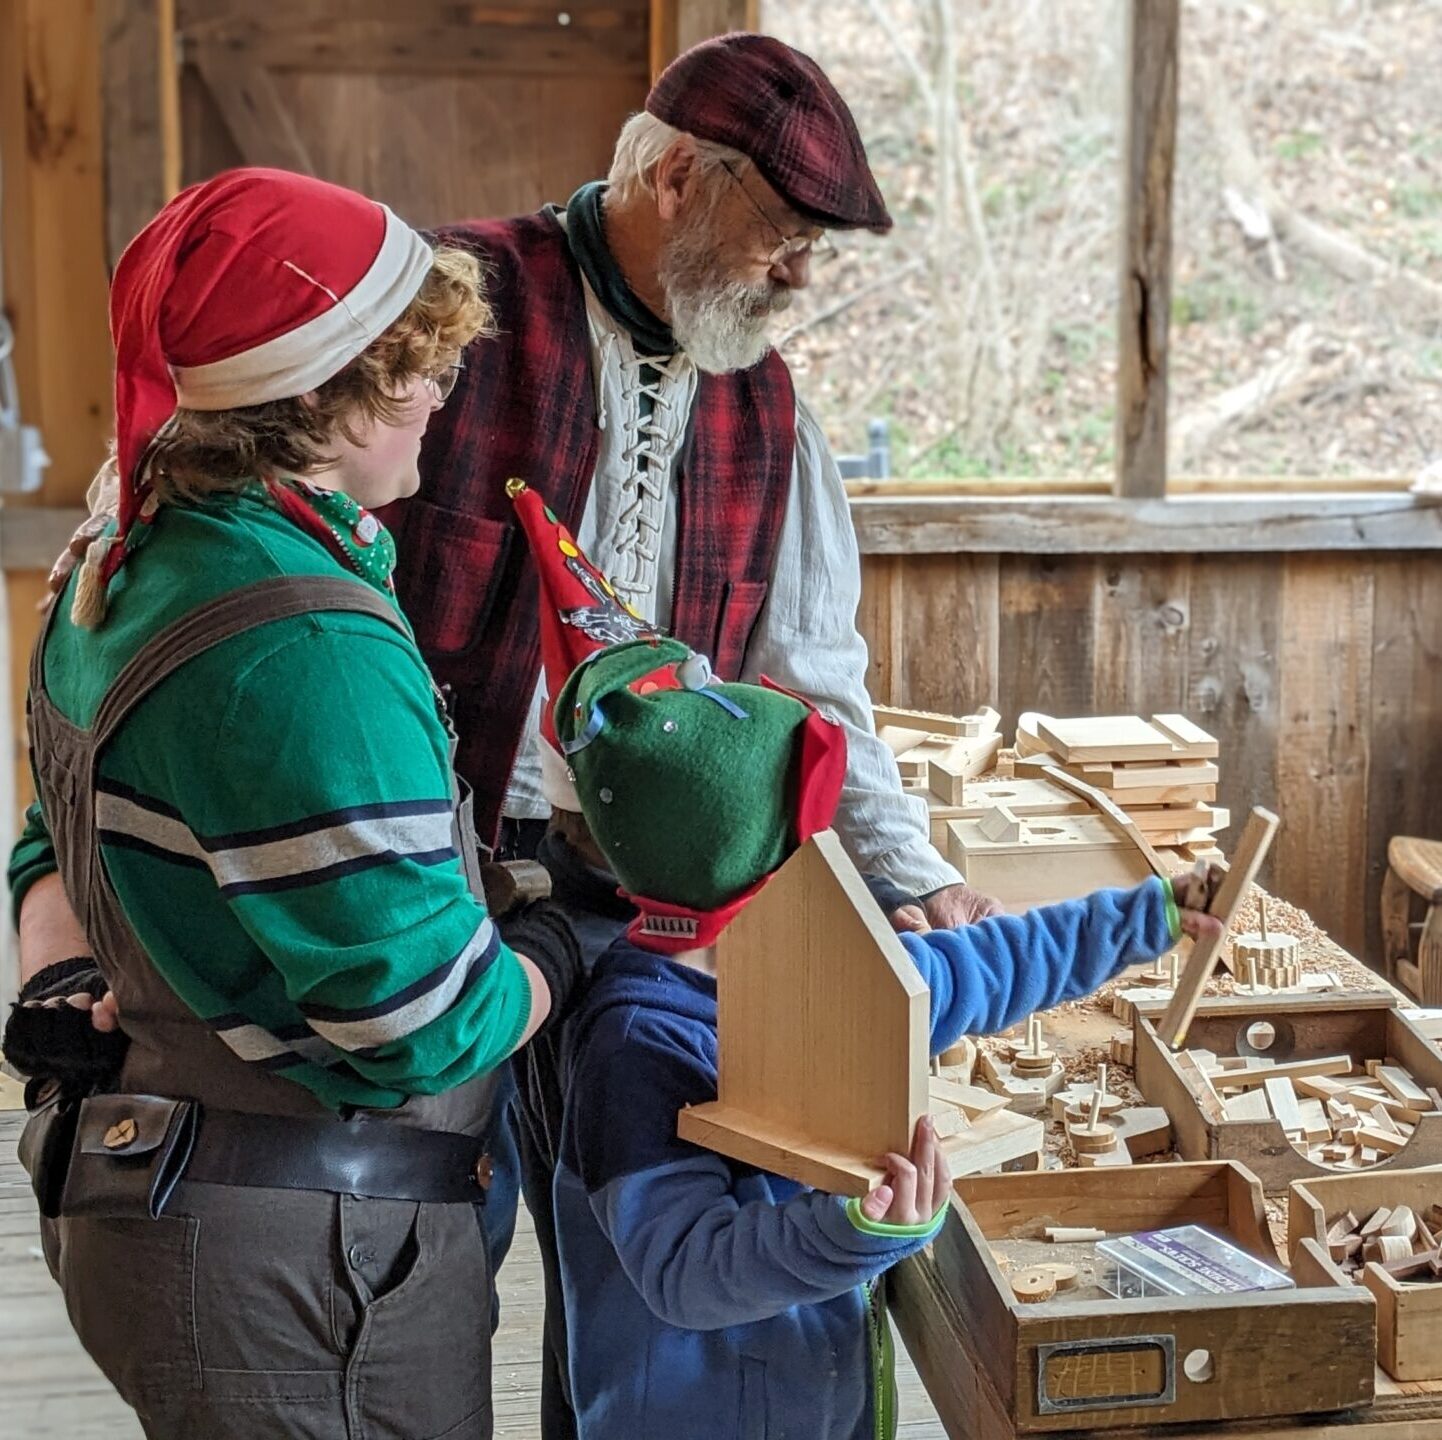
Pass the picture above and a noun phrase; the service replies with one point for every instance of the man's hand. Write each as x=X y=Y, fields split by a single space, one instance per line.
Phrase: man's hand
x=955 y=905
x=915 y=1187
x=909 y=918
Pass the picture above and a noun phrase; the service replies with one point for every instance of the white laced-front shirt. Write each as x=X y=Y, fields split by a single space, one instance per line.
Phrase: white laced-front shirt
x=805 y=637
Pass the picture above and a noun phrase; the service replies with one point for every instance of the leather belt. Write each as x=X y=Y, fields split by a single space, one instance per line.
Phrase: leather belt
x=375 y=1159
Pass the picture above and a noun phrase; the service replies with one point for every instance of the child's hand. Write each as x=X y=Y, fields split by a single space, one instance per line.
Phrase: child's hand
x=913 y=1189
x=1194 y=891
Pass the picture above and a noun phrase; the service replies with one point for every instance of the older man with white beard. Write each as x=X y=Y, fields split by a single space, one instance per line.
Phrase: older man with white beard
x=631 y=381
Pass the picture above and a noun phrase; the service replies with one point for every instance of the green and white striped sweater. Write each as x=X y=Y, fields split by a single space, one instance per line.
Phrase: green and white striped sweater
x=276 y=820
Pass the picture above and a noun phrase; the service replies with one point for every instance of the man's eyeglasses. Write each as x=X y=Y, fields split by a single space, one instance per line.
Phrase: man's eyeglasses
x=444 y=381
x=817 y=248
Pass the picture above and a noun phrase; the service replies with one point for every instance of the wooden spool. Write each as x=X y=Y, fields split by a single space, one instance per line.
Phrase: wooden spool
x=1093 y=1139
x=1266 y=950
x=1064 y=1275
x=1032 y=1063
x=1031 y=1287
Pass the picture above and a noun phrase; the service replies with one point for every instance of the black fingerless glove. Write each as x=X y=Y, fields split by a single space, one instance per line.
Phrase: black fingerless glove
x=542 y=933
x=61 y=1042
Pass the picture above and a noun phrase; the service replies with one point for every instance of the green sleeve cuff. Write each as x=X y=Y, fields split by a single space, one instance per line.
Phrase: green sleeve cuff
x=1174 y=916
x=894 y=1232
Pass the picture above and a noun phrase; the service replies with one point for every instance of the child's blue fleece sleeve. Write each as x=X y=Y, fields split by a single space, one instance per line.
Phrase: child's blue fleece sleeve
x=699 y=1255
x=986 y=976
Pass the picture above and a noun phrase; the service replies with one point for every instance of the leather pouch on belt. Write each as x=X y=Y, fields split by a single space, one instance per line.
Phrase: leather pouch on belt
x=47 y=1140
x=130 y=1152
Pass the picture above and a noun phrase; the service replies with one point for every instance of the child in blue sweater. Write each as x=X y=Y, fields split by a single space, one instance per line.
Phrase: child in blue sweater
x=705 y=1298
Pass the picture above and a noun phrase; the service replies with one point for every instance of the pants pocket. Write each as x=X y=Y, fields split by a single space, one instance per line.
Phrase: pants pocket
x=129 y=1287
x=420 y=1367
x=753 y=1399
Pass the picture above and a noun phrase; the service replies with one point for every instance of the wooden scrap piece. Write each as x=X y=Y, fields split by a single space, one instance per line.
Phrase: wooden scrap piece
x=1282 y=1101
x=974 y=1101
x=1246 y=861
x=1404 y=1087
x=1031 y=1287
x=1291 y=1069
x=1248 y=1105
x=1200 y=1084
x=1374 y=1222
x=1381 y=1141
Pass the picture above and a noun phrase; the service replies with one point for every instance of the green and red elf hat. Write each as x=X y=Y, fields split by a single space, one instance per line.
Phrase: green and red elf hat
x=696 y=790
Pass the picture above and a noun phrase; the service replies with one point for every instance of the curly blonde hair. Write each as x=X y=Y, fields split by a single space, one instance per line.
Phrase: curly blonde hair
x=203 y=453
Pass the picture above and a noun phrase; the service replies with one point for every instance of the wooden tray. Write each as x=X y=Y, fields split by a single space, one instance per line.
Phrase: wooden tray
x=1366 y=1026
x=1409 y=1317
x=996 y=1368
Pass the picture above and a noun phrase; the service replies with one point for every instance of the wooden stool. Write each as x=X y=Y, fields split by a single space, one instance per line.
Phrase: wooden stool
x=1414 y=867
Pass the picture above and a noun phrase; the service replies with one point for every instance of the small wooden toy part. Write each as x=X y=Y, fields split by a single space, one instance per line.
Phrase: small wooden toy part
x=1250 y=853
x=1267 y=951
x=822 y=1031
x=1033 y=1058
x=1072 y=1234
x=1000 y=824
x=1066 y=1276
x=1031 y=1287
x=960 y=1060
x=1095 y=1135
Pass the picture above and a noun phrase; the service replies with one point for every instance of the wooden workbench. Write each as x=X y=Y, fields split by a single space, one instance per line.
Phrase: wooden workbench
x=935 y=1337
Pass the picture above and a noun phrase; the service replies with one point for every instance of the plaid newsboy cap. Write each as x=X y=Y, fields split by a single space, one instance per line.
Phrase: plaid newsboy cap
x=775 y=106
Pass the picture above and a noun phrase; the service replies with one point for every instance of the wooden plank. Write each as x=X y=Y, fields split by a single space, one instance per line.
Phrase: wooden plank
x=1116 y=738
x=1282 y=1101
x=949 y=632
x=880 y=620
x=1150 y=148
x=54 y=237
x=822 y=1026
x=1233 y=675
x=1288 y=1070
x=1324 y=753
x=676 y=25
x=1185 y=525
x=1246 y=861
x=1404 y=777
x=136 y=119
x=253 y=108
x=1141 y=617
x=1046 y=634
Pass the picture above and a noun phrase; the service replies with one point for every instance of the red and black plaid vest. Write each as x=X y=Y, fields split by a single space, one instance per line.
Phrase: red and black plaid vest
x=526 y=406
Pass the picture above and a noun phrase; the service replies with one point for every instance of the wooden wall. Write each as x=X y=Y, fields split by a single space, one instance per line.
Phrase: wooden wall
x=1320 y=674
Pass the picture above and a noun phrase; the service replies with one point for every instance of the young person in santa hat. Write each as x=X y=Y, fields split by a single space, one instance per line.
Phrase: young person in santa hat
x=267 y=1219
x=704 y=1298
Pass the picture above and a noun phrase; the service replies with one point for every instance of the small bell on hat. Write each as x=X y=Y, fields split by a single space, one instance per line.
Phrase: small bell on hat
x=256 y=285
x=581 y=614
x=775 y=105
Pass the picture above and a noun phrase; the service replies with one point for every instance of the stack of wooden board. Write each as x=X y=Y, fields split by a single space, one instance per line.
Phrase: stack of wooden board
x=1162 y=772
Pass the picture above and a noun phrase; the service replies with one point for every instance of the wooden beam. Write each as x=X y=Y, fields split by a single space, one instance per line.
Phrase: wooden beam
x=54 y=233
x=253 y=108
x=677 y=25
x=141 y=123
x=1146 y=280
x=1181 y=525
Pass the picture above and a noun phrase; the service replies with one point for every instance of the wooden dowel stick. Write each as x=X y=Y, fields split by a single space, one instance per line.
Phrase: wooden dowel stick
x=1246 y=861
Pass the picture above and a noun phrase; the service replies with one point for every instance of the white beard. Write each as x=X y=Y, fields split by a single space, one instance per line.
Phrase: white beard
x=720 y=323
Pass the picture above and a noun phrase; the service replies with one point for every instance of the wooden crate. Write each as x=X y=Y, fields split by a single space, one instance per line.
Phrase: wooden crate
x=1366 y=1026
x=997 y=1369
x=1409 y=1317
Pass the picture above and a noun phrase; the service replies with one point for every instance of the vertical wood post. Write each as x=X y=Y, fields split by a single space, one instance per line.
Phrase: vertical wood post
x=677 y=25
x=1146 y=289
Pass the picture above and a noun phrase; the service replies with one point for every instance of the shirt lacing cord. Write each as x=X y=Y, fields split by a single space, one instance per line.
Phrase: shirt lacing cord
x=653 y=433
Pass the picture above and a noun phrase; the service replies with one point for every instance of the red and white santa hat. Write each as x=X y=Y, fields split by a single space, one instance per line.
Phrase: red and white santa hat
x=257 y=285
